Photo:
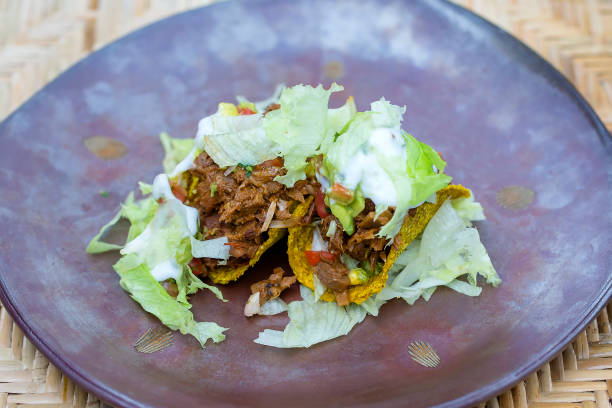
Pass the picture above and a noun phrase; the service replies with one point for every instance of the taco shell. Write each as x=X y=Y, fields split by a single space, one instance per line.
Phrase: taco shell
x=300 y=240
x=226 y=274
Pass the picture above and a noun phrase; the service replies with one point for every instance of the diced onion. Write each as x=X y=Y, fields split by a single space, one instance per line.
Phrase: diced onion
x=318 y=244
x=282 y=205
x=332 y=229
x=252 y=305
x=229 y=170
x=291 y=222
x=269 y=216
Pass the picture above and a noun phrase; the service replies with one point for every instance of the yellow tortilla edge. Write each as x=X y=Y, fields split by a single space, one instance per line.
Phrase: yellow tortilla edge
x=300 y=240
x=224 y=274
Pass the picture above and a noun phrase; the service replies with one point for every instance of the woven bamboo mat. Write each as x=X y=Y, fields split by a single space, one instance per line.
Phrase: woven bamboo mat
x=41 y=38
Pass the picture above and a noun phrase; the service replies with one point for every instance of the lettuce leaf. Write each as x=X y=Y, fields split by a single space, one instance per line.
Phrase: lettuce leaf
x=468 y=209
x=165 y=237
x=312 y=322
x=299 y=127
x=260 y=106
x=447 y=251
x=390 y=167
x=421 y=177
x=96 y=245
x=417 y=273
x=188 y=284
x=338 y=120
x=273 y=307
x=210 y=248
x=137 y=212
x=232 y=140
x=137 y=280
x=176 y=150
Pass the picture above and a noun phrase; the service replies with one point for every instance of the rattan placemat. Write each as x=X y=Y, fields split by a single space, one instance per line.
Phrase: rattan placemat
x=41 y=38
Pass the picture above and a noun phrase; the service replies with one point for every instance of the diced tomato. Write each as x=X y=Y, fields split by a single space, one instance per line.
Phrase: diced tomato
x=179 y=192
x=313 y=257
x=245 y=111
x=276 y=162
x=236 y=244
x=327 y=256
x=196 y=266
x=320 y=204
x=341 y=193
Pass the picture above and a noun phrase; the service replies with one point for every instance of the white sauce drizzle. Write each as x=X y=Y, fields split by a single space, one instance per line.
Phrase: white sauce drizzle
x=365 y=170
x=166 y=270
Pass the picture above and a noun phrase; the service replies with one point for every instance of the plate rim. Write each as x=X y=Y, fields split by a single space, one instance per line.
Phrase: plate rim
x=117 y=398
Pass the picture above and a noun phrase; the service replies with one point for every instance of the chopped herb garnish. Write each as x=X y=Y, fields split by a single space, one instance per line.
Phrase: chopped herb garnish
x=213 y=189
x=247 y=167
x=104 y=193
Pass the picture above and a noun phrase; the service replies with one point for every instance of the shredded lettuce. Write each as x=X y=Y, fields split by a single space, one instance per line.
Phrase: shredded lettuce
x=273 y=306
x=232 y=140
x=137 y=280
x=468 y=209
x=260 y=106
x=402 y=173
x=176 y=150
x=158 y=248
x=211 y=248
x=319 y=288
x=337 y=122
x=165 y=237
x=145 y=188
x=137 y=212
x=312 y=322
x=299 y=127
x=448 y=251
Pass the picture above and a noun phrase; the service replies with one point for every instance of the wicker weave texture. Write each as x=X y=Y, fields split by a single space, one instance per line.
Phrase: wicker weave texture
x=41 y=38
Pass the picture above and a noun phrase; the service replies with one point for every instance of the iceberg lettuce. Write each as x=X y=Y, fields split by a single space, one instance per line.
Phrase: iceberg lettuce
x=388 y=165
x=447 y=251
x=137 y=280
x=137 y=212
x=176 y=150
x=312 y=322
x=300 y=126
x=232 y=140
x=158 y=248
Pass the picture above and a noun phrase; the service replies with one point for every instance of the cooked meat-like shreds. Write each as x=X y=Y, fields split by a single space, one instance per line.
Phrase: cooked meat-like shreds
x=235 y=203
x=273 y=286
x=363 y=245
x=334 y=275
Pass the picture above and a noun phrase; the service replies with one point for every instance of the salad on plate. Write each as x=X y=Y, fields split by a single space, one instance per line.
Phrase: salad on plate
x=369 y=214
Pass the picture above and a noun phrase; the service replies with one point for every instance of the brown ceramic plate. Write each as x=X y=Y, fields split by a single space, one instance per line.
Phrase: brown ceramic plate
x=500 y=115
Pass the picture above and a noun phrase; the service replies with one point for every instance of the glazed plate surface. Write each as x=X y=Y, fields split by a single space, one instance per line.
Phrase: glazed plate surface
x=510 y=127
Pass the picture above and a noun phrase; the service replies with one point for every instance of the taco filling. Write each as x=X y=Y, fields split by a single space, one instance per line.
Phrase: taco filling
x=243 y=204
x=387 y=225
x=224 y=198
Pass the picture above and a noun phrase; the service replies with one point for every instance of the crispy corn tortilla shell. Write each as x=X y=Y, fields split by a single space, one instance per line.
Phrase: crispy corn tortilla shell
x=300 y=240
x=226 y=274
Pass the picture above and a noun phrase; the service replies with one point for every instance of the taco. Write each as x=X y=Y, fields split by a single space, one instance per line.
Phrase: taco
x=368 y=255
x=380 y=187
x=224 y=198
x=387 y=224
x=244 y=206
